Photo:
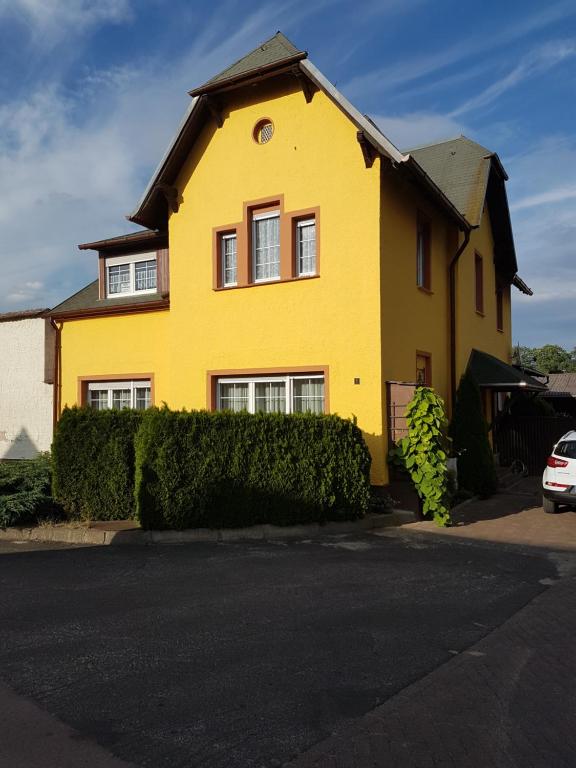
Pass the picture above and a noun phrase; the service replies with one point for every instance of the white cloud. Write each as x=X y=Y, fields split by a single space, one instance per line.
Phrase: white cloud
x=418 y=67
x=50 y=19
x=413 y=129
x=534 y=63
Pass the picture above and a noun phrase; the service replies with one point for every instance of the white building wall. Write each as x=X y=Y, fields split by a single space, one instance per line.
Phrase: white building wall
x=26 y=371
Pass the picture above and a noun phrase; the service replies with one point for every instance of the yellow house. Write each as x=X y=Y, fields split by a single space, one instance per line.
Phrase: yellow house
x=294 y=259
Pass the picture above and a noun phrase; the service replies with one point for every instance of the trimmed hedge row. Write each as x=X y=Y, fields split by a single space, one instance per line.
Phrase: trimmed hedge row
x=178 y=469
x=93 y=463
x=223 y=470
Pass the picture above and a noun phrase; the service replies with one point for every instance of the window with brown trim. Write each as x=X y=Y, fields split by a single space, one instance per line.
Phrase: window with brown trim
x=423 y=237
x=423 y=369
x=479 y=283
x=116 y=392
x=269 y=245
x=499 y=309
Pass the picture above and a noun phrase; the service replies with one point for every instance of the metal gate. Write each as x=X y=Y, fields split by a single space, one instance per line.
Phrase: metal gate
x=529 y=440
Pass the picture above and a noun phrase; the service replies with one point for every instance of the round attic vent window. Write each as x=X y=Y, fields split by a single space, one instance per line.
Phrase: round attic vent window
x=263 y=131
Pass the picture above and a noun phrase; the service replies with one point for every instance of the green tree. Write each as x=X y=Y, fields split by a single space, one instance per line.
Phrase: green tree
x=469 y=433
x=552 y=358
x=524 y=356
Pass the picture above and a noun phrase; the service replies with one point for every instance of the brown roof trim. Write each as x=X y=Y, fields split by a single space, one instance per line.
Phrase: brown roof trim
x=122 y=309
x=250 y=74
x=131 y=239
x=23 y=314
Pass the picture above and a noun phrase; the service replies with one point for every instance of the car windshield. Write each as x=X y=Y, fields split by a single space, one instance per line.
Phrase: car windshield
x=566 y=448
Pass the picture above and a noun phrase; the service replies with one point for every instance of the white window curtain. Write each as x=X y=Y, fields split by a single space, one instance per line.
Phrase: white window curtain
x=119 y=394
x=266 y=246
x=131 y=274
x=229 y=259
x=145 y=275
x=280 y=394
x=306 y=247
x=119 y=279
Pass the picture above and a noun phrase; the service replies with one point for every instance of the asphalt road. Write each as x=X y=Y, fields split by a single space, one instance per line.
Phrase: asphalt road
x=243 y=654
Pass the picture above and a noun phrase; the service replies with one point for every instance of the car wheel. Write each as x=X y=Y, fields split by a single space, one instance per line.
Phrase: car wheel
x=549 y=506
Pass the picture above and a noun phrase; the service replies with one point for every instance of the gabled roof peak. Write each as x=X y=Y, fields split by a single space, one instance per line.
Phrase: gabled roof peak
x=275 y=51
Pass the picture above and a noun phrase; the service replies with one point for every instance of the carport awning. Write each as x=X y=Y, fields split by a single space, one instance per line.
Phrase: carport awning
x=491 y=373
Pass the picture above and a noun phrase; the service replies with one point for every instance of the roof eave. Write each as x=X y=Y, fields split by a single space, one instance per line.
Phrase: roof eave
x=134 y=238
x=517 y=282
x=237 y=81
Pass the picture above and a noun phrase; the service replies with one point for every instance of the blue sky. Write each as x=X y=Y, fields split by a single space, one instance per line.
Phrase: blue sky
x=93 y=90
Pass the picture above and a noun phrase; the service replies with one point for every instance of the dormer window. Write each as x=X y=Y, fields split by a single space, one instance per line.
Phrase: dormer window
x=130 y=275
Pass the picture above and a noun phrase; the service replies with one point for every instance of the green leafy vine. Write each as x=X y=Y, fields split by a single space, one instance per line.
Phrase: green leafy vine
x=423 y=453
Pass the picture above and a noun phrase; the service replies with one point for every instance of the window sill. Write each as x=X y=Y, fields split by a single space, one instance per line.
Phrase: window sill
x=266 y=282
x=500 y=330
x=480 y=313
x=423 y=289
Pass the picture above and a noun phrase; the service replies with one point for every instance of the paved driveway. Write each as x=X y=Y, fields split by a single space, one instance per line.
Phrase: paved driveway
x=514 y=517
x=240 y=655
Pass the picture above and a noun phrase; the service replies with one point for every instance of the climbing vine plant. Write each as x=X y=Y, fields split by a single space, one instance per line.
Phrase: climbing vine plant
x=423 y=453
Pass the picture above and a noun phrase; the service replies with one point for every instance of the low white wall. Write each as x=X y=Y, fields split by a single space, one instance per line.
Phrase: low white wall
x=26 y=370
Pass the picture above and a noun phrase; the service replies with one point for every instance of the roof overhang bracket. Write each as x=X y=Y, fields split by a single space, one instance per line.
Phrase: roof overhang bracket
x=170 y=194
x=369 y=152
x=308 y=87
x=215 y=109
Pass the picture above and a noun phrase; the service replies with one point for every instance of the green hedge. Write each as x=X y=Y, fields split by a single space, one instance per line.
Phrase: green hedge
x=25 y=496
x=93 y=455
x=217 y=470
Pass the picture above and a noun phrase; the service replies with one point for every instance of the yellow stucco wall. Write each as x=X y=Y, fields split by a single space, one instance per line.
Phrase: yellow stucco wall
x=129 y=344
x=475 y=330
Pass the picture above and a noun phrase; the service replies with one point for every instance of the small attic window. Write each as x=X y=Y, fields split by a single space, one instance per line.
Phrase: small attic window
x=263 y=131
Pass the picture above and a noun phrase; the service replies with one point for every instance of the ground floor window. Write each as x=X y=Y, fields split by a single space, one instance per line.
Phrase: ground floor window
x=272 y=394
x=119 y=394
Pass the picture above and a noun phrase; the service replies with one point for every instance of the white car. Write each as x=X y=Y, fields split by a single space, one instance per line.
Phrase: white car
x=559 y=478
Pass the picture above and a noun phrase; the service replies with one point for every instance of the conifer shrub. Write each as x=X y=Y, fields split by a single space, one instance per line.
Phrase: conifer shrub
x=220 y=470
x=93 y=458
x=25 y=492
x=469 y=433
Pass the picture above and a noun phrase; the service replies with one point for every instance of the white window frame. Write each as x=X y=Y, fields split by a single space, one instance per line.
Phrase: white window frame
x=130 y=260
x=223 y=239
x=259 y=217
x=110 y=386
x=300 y=224
x=253 y=380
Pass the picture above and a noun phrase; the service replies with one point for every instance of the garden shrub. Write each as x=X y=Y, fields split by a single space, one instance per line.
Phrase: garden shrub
x=423 y=453
x=25 y=496
x=93 y=455
x=469 y=433
x=224 y=469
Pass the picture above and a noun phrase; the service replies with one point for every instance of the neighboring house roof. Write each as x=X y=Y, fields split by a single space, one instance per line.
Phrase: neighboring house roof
x=561 y=385
x=23 y=314
x=274 y=56
x=470 y=176
x=86 y=302
x=492 y=373
x=147 y=237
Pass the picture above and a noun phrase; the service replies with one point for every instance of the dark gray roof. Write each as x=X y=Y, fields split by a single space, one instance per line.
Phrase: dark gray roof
x=87 y=298
x=460 y=167
x=22 y=314
x=273 y=51
x=492 y=373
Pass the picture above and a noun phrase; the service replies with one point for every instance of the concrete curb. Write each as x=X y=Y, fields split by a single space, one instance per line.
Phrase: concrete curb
x=79 y=534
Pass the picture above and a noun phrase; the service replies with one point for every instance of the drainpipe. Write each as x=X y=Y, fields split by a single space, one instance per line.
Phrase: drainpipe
x=57 y=373
x=452 y=300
